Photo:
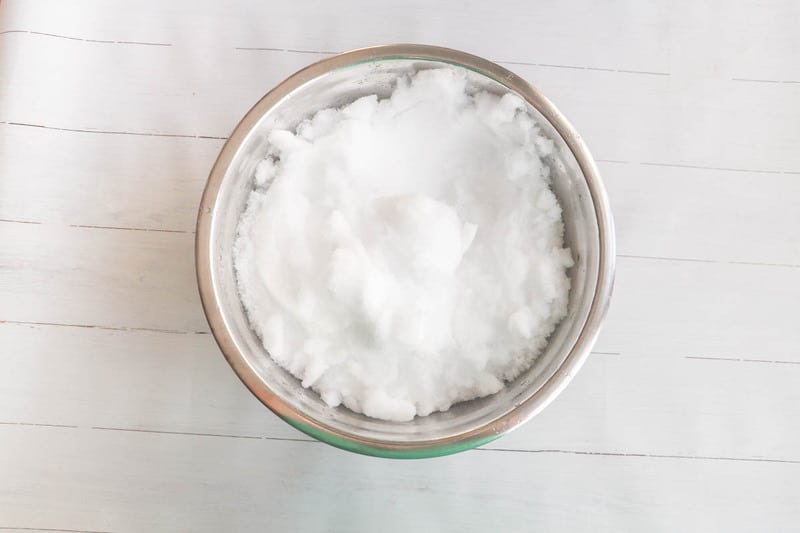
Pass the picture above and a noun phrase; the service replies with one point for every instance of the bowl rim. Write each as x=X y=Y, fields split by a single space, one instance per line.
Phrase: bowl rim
x=517 y=415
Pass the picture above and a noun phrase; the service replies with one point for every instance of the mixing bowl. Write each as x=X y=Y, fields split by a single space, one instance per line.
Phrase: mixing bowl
x=589 y=233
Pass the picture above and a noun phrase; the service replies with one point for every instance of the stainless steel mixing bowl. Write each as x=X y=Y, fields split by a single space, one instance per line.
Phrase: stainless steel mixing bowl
x=588 y=232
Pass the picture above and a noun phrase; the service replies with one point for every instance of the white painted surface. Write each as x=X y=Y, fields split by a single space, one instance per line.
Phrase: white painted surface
x=117 y=413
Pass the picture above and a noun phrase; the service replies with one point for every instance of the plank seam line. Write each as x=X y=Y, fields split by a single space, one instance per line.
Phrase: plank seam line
x=201 y=434
x=219 y=138
x=525 y=63
x=698 y=167
x=213 y=137
x=757 y=80
x=98 y=226
x=290 y=50
x=579 y=67
x=742 y=360
x=19 y=528
x=328 y=52
x=648 y=455
x=623 y=256
x=513 y=450
x=36 y=424
x=103 y=327
x=115 y=132
x=81 y=39
x=122 y=228
x=710 y=261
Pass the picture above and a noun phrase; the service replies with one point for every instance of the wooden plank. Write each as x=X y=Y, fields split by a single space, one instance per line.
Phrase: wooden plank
x=133 y=182
x=139 y=279
x=122 y=98
x=703 y=309
x=628 y=117
x=766 y=47
x=129 y=279
x=660 y=211
x=552 y=33
x=117 y=481
x=627 y=403
x=704 y=214
x=129 y=379
x=640 y=403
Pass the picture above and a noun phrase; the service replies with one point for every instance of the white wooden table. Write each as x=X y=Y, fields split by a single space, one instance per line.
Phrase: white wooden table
x=117 y=412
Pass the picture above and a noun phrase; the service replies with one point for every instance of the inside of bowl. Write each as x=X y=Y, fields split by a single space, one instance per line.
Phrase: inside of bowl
x=339 y=87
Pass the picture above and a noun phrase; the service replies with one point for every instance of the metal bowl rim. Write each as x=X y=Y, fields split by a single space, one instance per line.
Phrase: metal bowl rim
x=516 y=415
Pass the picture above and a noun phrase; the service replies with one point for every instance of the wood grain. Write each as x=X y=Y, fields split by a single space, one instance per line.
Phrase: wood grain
x=661 y=119
x=117 y=412
x=508 y=30
x=155 y=183
x=627 y=403
x=87 y=276
x=136 y=279
x=93 y=480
